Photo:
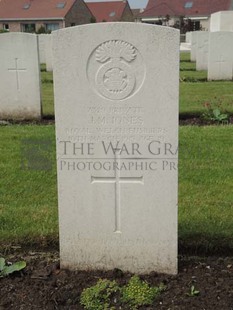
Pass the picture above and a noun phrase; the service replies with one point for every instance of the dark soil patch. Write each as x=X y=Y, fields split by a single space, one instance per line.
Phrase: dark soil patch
x=42 y=285
x=189 y=120
x=184 y=120
x=49 y=120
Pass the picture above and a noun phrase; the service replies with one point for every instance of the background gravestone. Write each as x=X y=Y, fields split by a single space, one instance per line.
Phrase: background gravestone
x=188 y=37
x=116 y=106
x=42 y=39
x=220 y=60
x=221 y=21
x=20 y=76
x=202 y=50
x=193 y=45
x=48 y=54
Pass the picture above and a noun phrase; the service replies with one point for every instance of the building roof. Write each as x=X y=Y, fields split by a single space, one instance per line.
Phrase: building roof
x=136 y=12
x=34 y=9
x=157 y=8
x=107 y=11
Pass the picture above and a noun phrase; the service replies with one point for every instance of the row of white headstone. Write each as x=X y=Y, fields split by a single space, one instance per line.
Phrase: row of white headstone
x=20 y=57
x=45 y=50
x=20 y=96
x=116 y=110
x=213 y=51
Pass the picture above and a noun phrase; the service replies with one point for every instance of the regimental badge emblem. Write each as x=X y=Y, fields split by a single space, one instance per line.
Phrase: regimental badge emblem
x=115 y=79
x=118 y=67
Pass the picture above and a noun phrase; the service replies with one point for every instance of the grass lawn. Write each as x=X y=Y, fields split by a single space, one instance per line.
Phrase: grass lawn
x=47 y=92
x=28 y=206
x=205 y=186
x=194 y=90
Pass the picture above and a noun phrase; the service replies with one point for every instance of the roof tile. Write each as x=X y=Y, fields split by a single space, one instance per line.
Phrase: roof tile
x=104 y=11
x=177 y=7
x=16 y=9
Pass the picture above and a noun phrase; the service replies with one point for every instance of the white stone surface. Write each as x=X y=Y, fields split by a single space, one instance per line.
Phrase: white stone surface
x=193 y=46
x=188 y=37
x=119 y=88
x=193 y=55
x=20 y=76
x=43 y=38
x=185 y=47
x=202 y=50
x=220 y=60
x=48 y=53
x=221 y=21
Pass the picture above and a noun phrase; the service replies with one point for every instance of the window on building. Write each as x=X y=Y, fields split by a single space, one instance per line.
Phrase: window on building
x=6 y=27
x=26 y=6
x=112 y=14
x=51 y=27
x=72 y=24
x=28 y=28
x=195 y=25
x=188 y=5
x=60 y=5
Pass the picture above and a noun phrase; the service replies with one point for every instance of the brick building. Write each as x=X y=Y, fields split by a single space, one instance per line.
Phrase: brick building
x=111 y=11
x=31 y=15
x=170 y=12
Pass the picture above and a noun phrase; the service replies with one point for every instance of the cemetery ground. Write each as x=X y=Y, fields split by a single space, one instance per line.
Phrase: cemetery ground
x=29 y=220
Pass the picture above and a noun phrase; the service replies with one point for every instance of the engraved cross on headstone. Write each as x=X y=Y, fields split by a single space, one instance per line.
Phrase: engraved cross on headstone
x=117 y=180
x=17 y=70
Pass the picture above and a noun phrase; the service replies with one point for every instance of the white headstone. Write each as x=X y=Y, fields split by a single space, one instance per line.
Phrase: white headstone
x=48 y=53
x=221 y=21
x=43 y=38
x=220 y=60
x=193 y=45
x=185 y=47
x=116 y=106
x=202 y=50
x=188 y=37
x=20 y=76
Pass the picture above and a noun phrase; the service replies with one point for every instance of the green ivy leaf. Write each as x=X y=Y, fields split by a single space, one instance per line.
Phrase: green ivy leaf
x=14 y=267
x=223 y=117
x=2 y=263
x=216 y=113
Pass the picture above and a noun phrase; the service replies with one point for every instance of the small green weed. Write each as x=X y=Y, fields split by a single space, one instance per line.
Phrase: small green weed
x=138 y=293
x=193 y=292
x=214 y=114
x=98 y=297
x=6 y=269
x=106 y=294
x=219 y=117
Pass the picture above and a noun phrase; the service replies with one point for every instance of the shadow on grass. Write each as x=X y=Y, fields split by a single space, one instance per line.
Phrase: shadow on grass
x=200 y=245
x=193 y=80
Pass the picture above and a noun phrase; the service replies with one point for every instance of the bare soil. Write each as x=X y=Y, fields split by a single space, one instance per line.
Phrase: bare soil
x=43 y=285
x=185 y=120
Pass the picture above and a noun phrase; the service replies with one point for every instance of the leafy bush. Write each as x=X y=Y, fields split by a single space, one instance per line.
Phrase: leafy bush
x=3 y=31
x=92 y=20
x=42 y=30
